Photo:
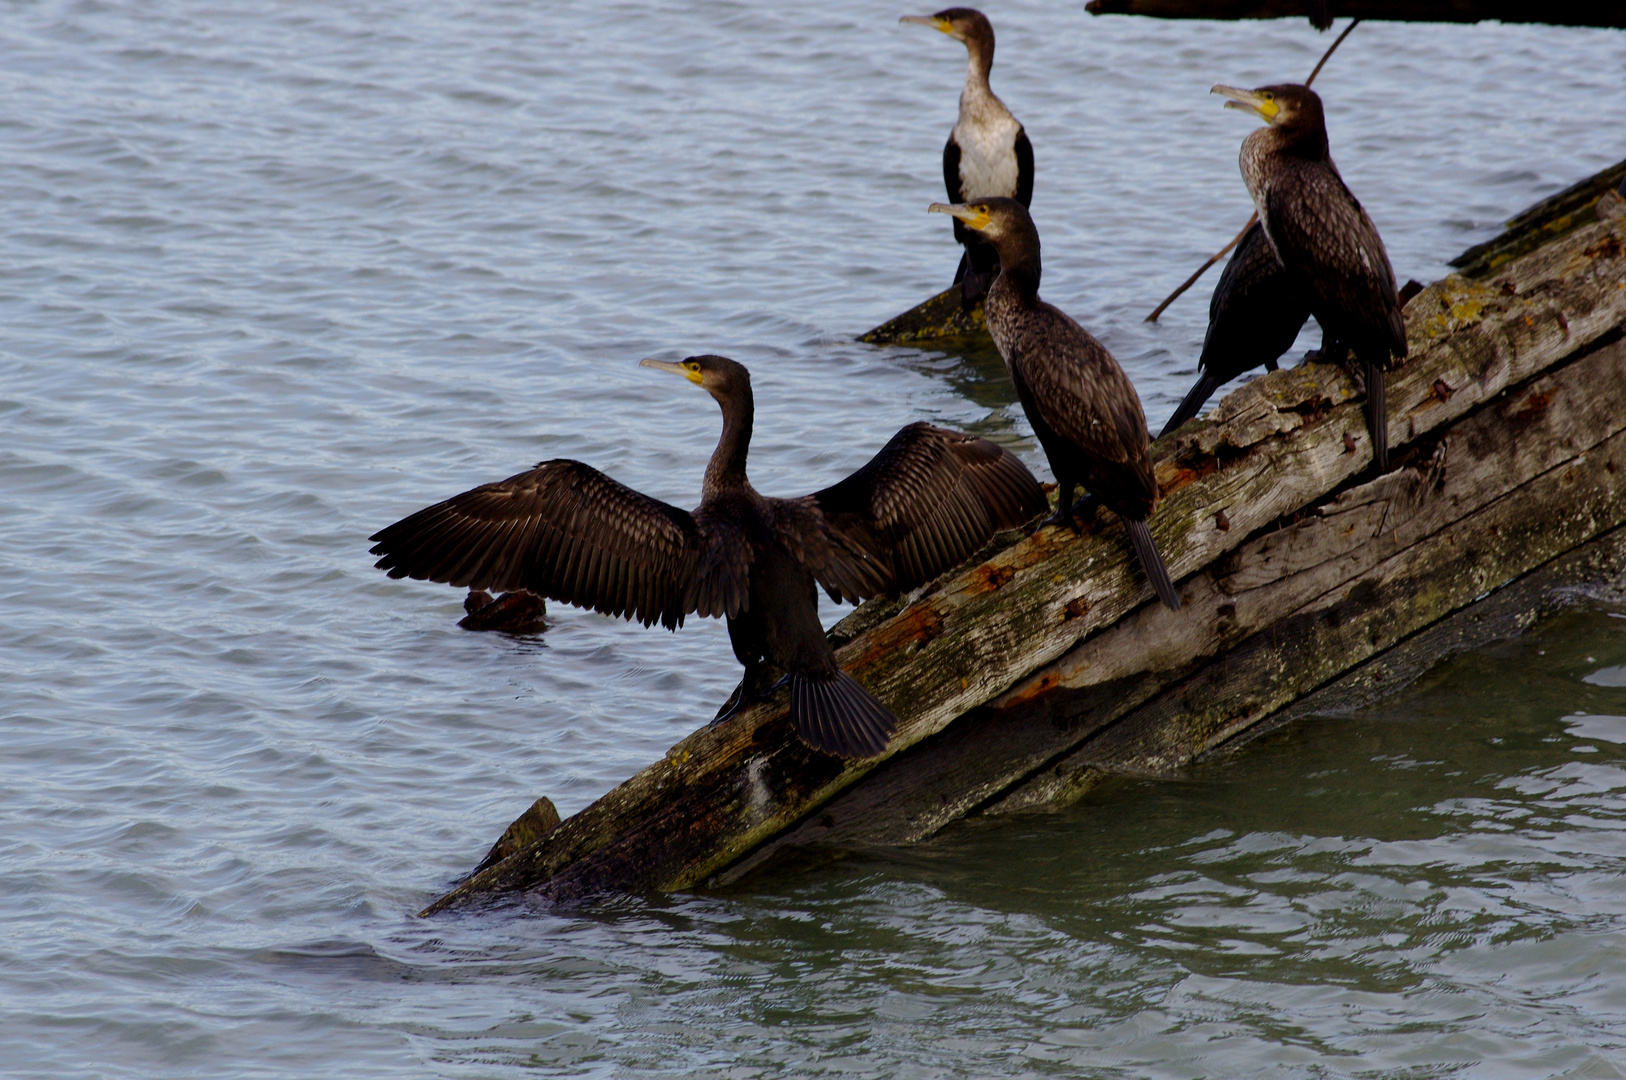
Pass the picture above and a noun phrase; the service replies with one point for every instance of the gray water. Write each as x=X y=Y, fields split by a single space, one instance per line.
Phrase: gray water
x=274 y=274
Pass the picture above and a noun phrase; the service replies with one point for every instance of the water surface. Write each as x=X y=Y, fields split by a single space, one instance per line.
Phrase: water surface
x=278 y=273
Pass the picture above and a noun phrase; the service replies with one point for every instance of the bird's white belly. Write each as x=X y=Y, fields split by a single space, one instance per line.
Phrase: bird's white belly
x=987 y=159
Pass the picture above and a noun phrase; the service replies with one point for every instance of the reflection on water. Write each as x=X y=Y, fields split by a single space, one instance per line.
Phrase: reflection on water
x=277 y=274
x=973 y=369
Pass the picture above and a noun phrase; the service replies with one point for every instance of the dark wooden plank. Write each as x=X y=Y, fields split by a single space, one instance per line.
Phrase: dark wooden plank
x=1421 y=582
x=1543 y=222
x=1557 y=13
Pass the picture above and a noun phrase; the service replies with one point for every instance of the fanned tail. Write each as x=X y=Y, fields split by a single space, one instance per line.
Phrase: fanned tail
x=1140 y=537
x=1194 y=400
x=838 y=716
x=1377 y=415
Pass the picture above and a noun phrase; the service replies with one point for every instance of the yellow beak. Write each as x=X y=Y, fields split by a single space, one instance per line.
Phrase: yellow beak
x=929 y=20
x=974 y=217
x=676 y=369
x=1248 y=101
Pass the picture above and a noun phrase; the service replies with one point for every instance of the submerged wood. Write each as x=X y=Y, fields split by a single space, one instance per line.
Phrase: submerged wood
x=1557 y=13
x=940 y=317
x=1036 y=632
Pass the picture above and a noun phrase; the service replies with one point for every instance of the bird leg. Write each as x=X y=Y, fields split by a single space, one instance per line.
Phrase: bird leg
x=1332 y=351
x=749 y=692
x=1086 y=506
x=1064 y=507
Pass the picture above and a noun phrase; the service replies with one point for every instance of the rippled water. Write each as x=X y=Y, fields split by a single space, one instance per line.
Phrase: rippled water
x=275 y=274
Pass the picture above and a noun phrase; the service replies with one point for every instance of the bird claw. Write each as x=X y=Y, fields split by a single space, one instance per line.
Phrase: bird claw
x=1076 y=516
x=741 y=699
x=1061 y=518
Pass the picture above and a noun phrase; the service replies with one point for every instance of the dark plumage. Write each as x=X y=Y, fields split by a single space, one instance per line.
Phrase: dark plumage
x=1254 y=317
x=1324 y=239
x=988 y=153
x=566 y=531
x=1082 y=406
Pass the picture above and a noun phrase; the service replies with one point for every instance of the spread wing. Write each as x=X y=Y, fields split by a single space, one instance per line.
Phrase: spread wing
x=927 y=502
x=1326 y=240
x=1024 y=168
x=566 y=531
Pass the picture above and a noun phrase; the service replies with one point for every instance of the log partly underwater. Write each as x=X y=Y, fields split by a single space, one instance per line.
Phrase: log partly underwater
x=1022 y=678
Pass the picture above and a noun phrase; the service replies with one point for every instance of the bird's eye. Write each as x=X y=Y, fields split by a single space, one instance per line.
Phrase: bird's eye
x=1269 y=96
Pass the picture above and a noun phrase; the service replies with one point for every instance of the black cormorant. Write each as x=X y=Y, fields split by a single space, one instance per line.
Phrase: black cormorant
x=1253 y=318
x=1082 y=406
x=566 y=531
x=988 y=153
x=1326 y=242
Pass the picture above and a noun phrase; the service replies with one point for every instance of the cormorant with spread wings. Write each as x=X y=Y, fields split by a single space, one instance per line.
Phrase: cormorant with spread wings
x=566 y=531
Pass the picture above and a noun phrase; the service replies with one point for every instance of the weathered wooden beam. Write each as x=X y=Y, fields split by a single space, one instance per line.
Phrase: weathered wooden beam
x=1544 y=222
x=1595 y=572
x=1274 y=447
x=1151 y=683
x=1359 y=617
x=1557 y=13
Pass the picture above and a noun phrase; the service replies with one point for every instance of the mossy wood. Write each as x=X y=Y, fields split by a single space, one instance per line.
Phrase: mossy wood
x=943 y=316
x=1557 y=13
x=1549 y=219
x=1047 y=654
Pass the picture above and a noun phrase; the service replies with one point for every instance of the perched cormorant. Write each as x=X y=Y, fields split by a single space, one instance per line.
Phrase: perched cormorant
x=1323 y=238
x=566 y=531
x=988 y=153
x=1253 y=318
x=1082 y=406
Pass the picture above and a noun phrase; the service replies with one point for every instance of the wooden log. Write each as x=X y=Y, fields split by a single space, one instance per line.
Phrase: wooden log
x=1360 y=616
x=1147 y=695
x=1559 y=13
x=1544 y=222
x=1273 y=448
x=1595 y=572
x=940 y=317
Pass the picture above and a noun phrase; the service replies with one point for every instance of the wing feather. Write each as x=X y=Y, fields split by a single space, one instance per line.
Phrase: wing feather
x=926 y=503
x=1078 y=389
x=1024 y=168
x=1325 y=239
x=563 y=530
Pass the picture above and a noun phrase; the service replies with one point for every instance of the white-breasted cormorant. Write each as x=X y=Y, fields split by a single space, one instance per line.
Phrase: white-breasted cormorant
x=988 y=153
x=1324 y=239
x=1253 y=317
x=564 y=530
x=1082 y=406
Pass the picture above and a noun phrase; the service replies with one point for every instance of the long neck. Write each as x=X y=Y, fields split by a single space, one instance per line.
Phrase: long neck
x=726 y=471
x=1019 y=268
x=1305 y=140
x=980 y=61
